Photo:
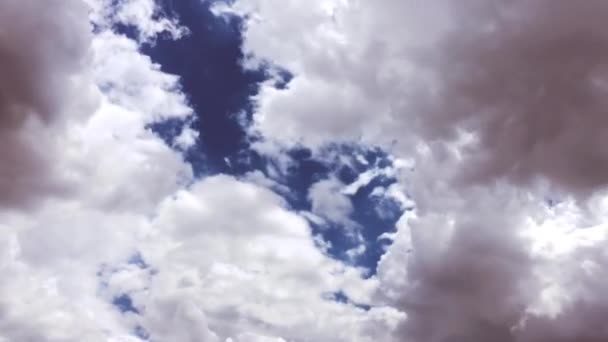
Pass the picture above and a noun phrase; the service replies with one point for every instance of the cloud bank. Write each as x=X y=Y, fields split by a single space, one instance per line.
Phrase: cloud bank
x=500 y=107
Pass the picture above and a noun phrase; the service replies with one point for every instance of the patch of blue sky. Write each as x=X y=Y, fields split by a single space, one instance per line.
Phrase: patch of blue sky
x=137 y=260
x=209 y=63
x=341 y=297
x=124 y=303
x=348 y=163
x=219 y=89
x=140 y=332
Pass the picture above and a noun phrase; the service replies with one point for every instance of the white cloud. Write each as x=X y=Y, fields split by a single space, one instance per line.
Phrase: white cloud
x=258 y=272
x=222 y=258
x=399 y=75
x=499 y=106
x=144 y=15
x=187 y=138
x=362 y=180
x=248 y=337
x=329 y=201
x=82 y=174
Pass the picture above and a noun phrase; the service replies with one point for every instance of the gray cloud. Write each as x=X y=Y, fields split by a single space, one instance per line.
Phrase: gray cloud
x=470 y=273
x=42 y=49
x=488 y=97
x=529 y=79
x=585 y=308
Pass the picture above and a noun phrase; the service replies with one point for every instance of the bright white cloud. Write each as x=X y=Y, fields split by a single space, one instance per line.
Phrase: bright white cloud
x=257 y=272
x=145 y=16
x=329 y=201
x=222 y=259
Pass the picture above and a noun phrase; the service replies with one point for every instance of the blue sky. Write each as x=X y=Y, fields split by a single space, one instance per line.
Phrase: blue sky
x=209 y=62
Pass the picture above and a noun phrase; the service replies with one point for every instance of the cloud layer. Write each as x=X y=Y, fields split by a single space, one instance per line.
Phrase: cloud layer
x=500 y=108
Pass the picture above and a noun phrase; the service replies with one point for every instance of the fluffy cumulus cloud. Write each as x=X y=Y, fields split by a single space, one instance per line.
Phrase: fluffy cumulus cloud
x=81 y=173
x=329 y=201
x=250 y=278
x=500 y=106
x=401 y=72
x=105 y=235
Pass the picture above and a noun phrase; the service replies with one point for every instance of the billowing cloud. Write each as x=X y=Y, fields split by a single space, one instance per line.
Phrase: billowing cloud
x=144 y=16
x=528 y=82
x=80 y=172
x=39 y=54
x=42 y=60
x=257 y=273
x=501 y=108
x=104 y=232
x=522 y=82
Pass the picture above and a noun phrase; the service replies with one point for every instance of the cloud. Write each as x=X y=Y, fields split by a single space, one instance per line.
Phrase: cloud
x=257 y=338
x=528 y=82
x=119 y=218
x=145 y=16
x=81 y=173
x=38 y=57
x=41 y=60
x=468 y=271
x=330 y=202
x=244 y=267
x=501 y=108
x=433 y=76
x=96 y=208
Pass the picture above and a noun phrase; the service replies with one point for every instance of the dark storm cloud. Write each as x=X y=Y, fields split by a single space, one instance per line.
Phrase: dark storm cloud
x=42 y=47
x=530 y=79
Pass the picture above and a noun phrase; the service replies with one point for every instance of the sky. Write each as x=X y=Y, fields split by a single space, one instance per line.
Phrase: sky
x=294 y=171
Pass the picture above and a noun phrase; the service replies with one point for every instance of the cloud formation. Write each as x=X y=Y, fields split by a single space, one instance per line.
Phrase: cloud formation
x=528 y=81
x=80 y=172
x=38 y=57
x=523 y=81
x=500 y=106
x=42 y=59
x=118 y=242
x=482 y=99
